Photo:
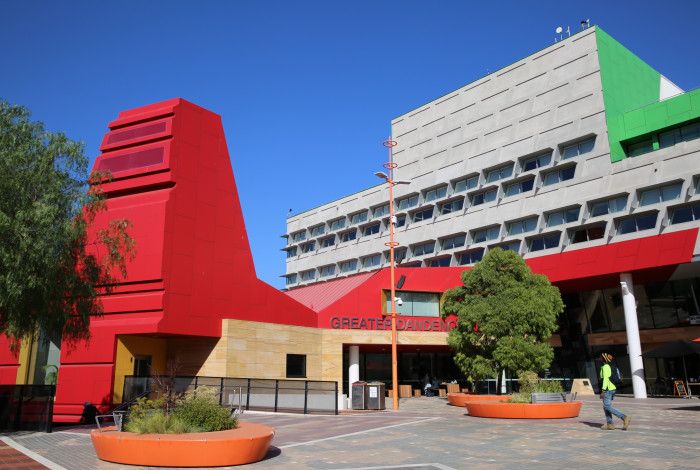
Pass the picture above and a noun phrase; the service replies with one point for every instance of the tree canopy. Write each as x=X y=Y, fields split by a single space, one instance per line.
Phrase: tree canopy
x=50 y=278
x=505 y=317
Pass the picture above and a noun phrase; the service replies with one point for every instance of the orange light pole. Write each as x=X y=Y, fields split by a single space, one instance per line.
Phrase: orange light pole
x=390 y=166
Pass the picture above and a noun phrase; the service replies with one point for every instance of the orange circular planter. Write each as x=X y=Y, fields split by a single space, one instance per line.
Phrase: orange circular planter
x=524 y=410
x=246 y=444
x=461 y=399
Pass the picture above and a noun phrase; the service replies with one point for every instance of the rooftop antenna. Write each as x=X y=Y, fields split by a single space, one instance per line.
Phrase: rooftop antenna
x=585 y=24
x=558 y=31
x=568 y=31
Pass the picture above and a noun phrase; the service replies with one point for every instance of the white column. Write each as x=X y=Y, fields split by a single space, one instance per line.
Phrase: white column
x=503 y=383
x=634 y=346
x=354 y=369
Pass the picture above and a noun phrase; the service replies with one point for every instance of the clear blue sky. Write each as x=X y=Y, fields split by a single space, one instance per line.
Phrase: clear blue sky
x=306 y=89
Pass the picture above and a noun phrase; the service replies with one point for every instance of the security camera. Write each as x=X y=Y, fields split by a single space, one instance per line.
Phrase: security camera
x=399 y=302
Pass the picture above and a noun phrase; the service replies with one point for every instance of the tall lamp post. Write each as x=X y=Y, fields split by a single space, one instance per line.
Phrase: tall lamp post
x=390 y=166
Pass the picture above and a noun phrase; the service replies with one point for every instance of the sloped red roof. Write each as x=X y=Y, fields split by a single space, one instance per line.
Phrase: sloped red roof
x=321 y=295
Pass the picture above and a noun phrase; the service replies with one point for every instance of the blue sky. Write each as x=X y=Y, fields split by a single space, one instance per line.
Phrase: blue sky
x=306 y=89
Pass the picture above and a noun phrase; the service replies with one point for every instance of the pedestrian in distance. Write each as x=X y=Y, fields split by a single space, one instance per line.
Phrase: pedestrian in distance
x=610 y=378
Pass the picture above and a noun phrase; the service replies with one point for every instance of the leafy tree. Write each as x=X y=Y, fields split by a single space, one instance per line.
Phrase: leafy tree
x=506 y=315
x=51 y=272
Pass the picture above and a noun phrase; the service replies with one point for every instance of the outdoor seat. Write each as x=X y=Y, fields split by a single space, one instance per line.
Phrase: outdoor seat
x=548 y=398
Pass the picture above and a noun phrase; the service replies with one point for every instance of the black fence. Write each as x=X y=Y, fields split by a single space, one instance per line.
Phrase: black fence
x=490 y=386
x=293 y=396
x=26 y=407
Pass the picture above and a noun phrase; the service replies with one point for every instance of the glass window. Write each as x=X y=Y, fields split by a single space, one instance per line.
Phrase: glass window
x=451 y=206
x=609 y=206
x=299 y=236
x=510 y=246
x=291 y=252
x=661 y=194
x=423 y=249
x=499 y=173
x=639 y=148
x=545 y=241
x=663 y=306
x=522 y=226
x=443 y=262
x=347 y=266
x=519 y=187
x=691 y=131
x=290 y=279
x=358 y=217
x=296 y=366
x=407 y=202
x=637 y=223
x=380 y=211
x=470 y=257
x=563 y=216
x=308 y=247
x=347 y=236
x=371 y=229
x=309 y=275
x=486 y=196
x=466 y=184
x=453 y=242
x=328 y=241
x=685 y=213
x=400 y=220
x=415 y=304
x=337 y=224
x=533 y=163
x=669 y=138
x=579 y=148
x=435 y=193
x=557 y=176
x=587 y=234
x=424 y=214
x=318 y=230
x=486 y=234
x=326 y=271
x=371 y=261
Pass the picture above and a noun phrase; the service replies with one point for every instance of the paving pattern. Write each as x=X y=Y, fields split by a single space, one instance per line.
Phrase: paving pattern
x=428 y=434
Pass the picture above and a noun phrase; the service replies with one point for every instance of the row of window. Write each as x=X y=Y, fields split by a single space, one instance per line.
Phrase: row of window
x=660 y=140
x=465 y=184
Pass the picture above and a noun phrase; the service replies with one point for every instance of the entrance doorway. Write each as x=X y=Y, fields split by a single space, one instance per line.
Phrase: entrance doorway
x=142 y=366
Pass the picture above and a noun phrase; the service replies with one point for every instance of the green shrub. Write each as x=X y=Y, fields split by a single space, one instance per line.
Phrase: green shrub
x=530 y=383
x=157 y=422
x=201 y=410
x=549 y=386
x=521 y=398
x=145 y=406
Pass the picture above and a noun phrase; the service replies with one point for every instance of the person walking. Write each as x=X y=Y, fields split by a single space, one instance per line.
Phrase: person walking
x=607 y=393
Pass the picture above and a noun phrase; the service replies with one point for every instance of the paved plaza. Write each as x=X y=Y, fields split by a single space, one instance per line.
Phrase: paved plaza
x=428 y=434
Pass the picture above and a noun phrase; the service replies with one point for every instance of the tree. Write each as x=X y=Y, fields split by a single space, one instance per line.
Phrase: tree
x=51 y=272
x=505 y=317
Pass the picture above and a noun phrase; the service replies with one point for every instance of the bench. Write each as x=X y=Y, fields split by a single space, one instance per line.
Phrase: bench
x=548 y=398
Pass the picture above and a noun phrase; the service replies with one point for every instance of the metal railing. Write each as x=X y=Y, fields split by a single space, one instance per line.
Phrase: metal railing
x=294 y=396
x=26 y=407
x=490 y=386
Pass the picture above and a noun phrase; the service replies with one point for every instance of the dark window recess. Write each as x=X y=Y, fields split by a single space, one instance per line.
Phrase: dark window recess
x=639 y=148
x=439 y=262
x=128 y=134
x=544 y=242
x=371 y=229
x=685 y=214
x=132 y=160
x=471 y=257
x=637 y=223
x=588 y=234
x=423 y=215
x=296 y=366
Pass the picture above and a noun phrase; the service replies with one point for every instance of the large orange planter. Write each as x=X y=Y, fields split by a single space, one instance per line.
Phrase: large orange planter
x=461 y=399
x=246 y=444
x=524 y=410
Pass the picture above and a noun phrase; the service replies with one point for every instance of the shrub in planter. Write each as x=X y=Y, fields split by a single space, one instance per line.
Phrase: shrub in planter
x=200 y=409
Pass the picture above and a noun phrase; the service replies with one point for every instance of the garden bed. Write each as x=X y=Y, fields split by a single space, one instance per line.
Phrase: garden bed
x=247 y=443
x=492 y=409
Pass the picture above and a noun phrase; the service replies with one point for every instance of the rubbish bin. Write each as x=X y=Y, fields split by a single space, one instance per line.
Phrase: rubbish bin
x=375 y=396
x=359 y=397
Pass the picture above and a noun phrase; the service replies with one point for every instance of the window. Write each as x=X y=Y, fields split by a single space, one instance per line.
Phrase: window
x=347 y=236
x=337 y=224
x=443 y=262
x=485 y=196
x=519 y=187
x=299 y=236
x=309 y=275
x=451 y=206
x=380 y=211
x=510 y=246
x=609 y=206
x=661 y=194
x=290 y=279
x=399 y=255
x=636 y=223
x=291 y=252
x=499 y=173
x=328 y=241
x=453 y=242
x=415 y=304
x=466 y=184
x=557 y=176
x=358 y=217
x=400 y=221
x=685 y=213
x=423 y=249
x=587 y=234
x=544 y=242
x=435 y=193
x=639 y=148
x=405 y=203
x=680 y=134
x=424 y=214
x=563 y=216
x=522 y=226
x=574 y=150
x=308 y=247
x=470 y=257
x=371 y=229
x=486 y=234
x=347 y=266
x=371 y=261
x=296 y=366
x=317 y=230
x=326 y=271
x=538 y=161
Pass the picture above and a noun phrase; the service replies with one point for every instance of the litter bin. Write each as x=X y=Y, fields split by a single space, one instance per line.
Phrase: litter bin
x=375 y=396
x=359 y=395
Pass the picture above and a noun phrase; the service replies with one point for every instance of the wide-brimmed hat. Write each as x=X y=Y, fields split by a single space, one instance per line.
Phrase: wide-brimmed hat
x=607 y=357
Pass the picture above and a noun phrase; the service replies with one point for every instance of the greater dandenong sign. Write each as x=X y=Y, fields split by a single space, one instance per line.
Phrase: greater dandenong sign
x=384 y=323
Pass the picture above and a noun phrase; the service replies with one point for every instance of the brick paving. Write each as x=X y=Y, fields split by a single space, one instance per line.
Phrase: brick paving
x=428 y=434
x=14 y=459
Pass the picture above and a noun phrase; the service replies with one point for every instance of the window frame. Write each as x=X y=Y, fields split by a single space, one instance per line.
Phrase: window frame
x=303 y=373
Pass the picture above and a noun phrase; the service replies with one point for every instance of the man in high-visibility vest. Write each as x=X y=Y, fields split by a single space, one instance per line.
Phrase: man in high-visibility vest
x=607 y=394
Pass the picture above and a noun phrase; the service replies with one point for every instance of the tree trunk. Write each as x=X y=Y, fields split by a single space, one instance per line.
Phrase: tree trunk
x=499 y=380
